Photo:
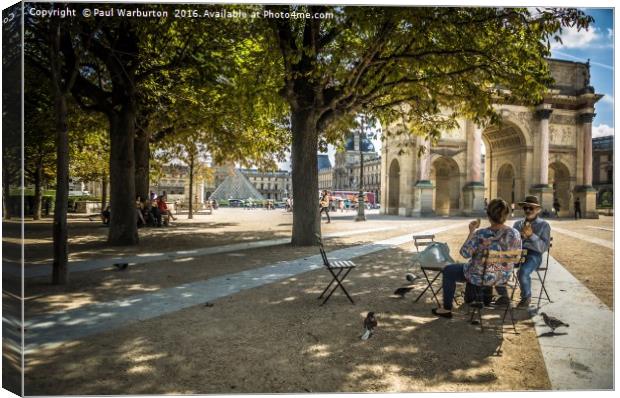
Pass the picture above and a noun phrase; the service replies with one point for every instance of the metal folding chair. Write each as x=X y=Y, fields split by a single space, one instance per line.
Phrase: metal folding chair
x=496 y=256
x=543 y=278
x=420 y=241
x=339 y=271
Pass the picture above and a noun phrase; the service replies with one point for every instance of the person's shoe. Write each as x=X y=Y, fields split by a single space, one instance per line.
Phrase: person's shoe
x=502 y=301
x=442 y=314
x=524 y=303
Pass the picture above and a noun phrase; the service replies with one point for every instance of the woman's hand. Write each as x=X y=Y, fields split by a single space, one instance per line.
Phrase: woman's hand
x=474 y=225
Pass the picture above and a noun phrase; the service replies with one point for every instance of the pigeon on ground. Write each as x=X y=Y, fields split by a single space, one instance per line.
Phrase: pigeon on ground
x=401 y=291
x=369 y=324
x=121 y=266
x=552 y=322
x=411 y=277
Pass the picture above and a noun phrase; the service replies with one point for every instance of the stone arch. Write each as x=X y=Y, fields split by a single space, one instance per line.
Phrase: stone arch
x=506 y=144
x=445 y=176
x=393 y=187
x=560 y=180
x=508 y=119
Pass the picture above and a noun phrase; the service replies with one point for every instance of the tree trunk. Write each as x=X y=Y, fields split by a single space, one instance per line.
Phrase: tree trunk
x=306 y=221
x=190 y=215
x=60 y=273
x=142 y=154
x=104 y=191
x=123 y=217
x=38 y=193
x=6 y=193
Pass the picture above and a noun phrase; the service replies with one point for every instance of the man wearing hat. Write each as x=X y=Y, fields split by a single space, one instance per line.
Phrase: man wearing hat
x=535 y=234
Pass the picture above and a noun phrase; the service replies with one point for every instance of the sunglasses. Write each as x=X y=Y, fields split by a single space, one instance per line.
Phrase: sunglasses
x=528 y=208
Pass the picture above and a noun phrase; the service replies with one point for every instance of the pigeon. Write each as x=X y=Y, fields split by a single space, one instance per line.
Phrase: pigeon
x=121 y=266
x=401 y=291
x=552 y=322
x=369 y=324
x=411 y=277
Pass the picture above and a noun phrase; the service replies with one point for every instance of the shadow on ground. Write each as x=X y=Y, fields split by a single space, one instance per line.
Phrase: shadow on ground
x=277 y=339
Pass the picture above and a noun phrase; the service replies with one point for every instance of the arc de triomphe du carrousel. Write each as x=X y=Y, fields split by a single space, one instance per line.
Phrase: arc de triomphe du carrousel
x=545 y=150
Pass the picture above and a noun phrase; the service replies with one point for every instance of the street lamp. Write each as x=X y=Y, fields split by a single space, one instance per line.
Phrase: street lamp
x=360 y=198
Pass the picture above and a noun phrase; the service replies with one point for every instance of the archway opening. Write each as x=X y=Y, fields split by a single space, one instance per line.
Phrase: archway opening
x=445 y=178
x=393 y=188
x=506 y=183
x=559 y=178
x=505 y=147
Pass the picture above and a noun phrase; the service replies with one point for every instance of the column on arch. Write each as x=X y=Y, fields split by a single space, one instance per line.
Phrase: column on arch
x=423 y=189
x=586 y=192
x=424 y=161
x=473 y=191
x=473 y=135
x=543 y=114
x=541 y=189
x=585 y=119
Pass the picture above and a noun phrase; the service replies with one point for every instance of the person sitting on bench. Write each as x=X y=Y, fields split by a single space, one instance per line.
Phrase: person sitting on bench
x=499 y=237
x=163 y=208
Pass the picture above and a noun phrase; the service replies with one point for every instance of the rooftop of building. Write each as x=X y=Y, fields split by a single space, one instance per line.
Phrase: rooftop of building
x=603 y=143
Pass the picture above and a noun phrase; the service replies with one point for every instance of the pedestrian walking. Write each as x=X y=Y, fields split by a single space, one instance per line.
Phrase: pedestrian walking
x=556 y=207
x=324 y=205
x=577 y=208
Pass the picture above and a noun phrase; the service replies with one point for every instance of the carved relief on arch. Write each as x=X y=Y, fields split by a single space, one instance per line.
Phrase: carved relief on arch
x=562 y=134
x=562 y=119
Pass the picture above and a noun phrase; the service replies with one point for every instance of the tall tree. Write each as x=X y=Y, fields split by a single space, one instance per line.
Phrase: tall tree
x=39 y=137
x=11 y=105
x=345 y=60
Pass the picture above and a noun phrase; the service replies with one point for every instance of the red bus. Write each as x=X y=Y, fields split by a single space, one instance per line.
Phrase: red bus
x=351 y=196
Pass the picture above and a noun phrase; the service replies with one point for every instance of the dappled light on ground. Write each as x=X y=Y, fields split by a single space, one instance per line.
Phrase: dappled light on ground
x=276 y=338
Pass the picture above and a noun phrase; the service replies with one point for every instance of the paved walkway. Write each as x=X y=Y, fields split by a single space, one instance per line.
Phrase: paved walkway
x=101 y=317
x=579 y=357
x=143 y=258
x=597 y=241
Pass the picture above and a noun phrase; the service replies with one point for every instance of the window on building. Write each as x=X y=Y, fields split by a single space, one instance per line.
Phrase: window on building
x=262 y=186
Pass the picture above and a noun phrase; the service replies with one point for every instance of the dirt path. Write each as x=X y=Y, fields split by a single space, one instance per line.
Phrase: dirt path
x=277 y=339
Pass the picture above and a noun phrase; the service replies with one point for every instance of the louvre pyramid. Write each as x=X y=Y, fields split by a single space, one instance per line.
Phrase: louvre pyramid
x=236 y=186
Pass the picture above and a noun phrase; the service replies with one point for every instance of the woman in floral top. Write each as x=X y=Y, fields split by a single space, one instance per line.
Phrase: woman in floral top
x=496 y=237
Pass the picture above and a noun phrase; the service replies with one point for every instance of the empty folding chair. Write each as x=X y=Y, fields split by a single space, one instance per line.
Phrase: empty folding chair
x=543 y=278
x=339 y=270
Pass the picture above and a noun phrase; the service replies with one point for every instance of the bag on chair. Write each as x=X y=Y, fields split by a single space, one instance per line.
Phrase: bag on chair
x=435 y=254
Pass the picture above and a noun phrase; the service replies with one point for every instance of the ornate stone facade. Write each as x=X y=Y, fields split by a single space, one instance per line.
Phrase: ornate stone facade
x=544 y=151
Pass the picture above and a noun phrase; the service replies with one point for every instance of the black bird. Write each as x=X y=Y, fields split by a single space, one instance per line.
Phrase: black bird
x=369 y=324
x=552 y=322
x=121 y=266
x=401 y=291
